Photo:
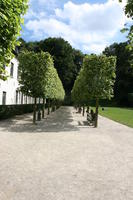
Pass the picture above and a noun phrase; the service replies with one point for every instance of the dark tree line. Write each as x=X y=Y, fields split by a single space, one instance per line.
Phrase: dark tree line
x=123 y=87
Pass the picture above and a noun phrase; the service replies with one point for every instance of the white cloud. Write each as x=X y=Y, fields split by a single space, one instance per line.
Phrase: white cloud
x=89 y=27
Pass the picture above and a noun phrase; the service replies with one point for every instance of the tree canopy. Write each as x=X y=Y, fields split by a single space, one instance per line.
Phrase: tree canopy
x=11 y=13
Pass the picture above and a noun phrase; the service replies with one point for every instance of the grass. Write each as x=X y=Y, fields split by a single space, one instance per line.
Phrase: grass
x=121 y=115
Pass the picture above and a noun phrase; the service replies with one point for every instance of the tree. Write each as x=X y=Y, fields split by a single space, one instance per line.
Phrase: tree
x=32 y=67
x=11 y=13
x=39 y=78
x=124 y=72
x=80 y=95
x=53 y=89
x=97 y=78
x=99 y=72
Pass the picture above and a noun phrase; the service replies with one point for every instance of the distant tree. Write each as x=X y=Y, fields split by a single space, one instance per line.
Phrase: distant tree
x=78 y=57
x=124 y=71
x=11 y=13
x=80 y=94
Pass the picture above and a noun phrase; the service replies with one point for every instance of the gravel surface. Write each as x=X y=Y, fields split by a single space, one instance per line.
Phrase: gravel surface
x=62 y=158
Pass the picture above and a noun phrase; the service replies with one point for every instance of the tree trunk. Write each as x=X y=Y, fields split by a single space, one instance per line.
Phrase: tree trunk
x=34 y=112
x=96 y=113
x=83 y=110
x=43 y=110
x=39 y=112
x=48 y=106
x=53 y=109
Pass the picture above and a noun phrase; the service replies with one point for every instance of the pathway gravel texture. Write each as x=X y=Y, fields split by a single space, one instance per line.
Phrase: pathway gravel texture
x=62 y=158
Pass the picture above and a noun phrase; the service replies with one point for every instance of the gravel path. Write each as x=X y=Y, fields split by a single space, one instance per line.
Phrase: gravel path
x=63 y=159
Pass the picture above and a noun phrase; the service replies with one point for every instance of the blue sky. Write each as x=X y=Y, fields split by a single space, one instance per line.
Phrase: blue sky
x=88 y=25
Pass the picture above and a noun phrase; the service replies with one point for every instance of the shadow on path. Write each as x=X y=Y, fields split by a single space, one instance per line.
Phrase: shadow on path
x=59 y=121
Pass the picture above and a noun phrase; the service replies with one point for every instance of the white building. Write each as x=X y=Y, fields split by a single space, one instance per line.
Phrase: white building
x=9 y=89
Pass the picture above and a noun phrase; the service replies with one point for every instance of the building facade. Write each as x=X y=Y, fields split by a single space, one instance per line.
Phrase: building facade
x=10 y=89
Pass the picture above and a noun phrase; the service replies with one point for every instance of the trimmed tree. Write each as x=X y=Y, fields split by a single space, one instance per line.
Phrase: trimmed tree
x=54 y=90
x=80 y=95
x=99 y=72
x=32 y=67
x=95 y=81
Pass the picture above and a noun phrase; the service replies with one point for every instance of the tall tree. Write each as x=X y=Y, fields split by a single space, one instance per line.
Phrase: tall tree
x=11 y=13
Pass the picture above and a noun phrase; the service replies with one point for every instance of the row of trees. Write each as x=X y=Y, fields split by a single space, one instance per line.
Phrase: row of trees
x=67 y=60
x=95 y=81
x=39 y=78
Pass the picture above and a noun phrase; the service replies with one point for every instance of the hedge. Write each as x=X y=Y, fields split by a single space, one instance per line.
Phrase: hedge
x=7 y=111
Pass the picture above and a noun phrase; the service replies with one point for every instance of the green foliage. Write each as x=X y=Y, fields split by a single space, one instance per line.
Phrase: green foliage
x=129 y=28
x=38 y=77
x=11 y=13
x=80 y=95
x=124 y=71
x=53 y=86
x=129 y=8
x=99 y=72
x=96 y=79
x=67 y=60
x=32 y=68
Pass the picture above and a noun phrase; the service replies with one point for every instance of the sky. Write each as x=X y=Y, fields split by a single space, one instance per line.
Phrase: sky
x=88 y=25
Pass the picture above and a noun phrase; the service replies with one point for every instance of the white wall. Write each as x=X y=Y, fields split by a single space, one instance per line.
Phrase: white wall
x=11 y=85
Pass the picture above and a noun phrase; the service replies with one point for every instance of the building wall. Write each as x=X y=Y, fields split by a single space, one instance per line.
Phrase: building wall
x=11 y=87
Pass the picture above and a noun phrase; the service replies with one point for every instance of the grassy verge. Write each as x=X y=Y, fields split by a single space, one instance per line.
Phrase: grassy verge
x=121 y=115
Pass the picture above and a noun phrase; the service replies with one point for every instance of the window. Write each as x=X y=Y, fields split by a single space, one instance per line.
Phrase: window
x=4 y=98
x=17 y=97
x=11 y=70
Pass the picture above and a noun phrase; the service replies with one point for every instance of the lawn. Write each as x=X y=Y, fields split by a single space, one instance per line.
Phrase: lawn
x=121 y=115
